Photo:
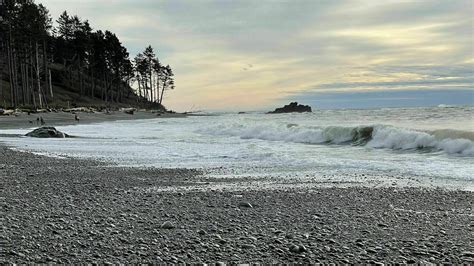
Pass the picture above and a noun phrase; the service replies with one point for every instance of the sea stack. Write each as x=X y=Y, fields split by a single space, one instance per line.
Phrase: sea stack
x=293 y=107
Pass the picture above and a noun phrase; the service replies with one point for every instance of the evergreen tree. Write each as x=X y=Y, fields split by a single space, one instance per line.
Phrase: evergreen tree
x=93 y=63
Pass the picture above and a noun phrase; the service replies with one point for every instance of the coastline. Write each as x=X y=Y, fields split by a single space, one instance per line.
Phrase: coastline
x=23 y=120
x=71 y=211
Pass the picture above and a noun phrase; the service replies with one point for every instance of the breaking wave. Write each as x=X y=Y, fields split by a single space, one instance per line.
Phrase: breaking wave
x=379 y=136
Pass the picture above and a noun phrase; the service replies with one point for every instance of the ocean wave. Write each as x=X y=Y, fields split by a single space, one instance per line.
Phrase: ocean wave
x=446 y=106
x=378 y=136
x=405 y=139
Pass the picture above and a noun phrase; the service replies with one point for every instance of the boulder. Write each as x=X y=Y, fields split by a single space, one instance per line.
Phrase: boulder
x=293 y=107
x=47 y=132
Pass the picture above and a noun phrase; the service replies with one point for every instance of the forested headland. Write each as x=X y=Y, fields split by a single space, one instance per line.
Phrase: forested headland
x=71 y=64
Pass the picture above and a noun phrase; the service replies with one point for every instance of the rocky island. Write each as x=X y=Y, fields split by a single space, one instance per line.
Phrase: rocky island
x=293 y=107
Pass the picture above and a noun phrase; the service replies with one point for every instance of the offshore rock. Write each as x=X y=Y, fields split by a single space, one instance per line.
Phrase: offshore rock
x=293 y=107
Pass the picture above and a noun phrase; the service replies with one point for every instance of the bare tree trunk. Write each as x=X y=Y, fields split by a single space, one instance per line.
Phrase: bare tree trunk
x=47 y=72
x=33 y=92
x=147 y=89
x=93 y=87
x=38 y=81
x=15 y=78
x=80 y=76
x=50 y=84
x=10 y=70
x=162 y=92
x=81 y=83
x=28 y=83
x=151 y=87
x=105 y=88
x=23 y=83
x=139 y=89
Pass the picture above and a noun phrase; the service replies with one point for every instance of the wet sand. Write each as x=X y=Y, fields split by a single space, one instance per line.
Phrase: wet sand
x=70 y=211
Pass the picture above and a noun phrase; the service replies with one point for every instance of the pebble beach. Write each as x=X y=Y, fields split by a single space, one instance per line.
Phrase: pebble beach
x=81 y=211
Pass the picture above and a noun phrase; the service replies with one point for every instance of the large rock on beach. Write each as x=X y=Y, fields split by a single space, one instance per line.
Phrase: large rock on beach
x=293 y=107
x=47 y=132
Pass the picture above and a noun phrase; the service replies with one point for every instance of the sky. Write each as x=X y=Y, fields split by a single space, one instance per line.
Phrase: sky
x=257 y=55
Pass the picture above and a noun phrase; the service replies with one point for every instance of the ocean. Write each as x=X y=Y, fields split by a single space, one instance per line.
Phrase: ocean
x=429 y=146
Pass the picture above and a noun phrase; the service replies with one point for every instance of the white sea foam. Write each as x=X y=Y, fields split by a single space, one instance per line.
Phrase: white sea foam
x=378 y=136
x=404 y=139
x=429 y=143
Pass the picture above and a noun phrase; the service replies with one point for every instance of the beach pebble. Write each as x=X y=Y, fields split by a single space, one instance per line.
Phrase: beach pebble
x=167 y=225
x=297 y=248
x=278 y=241
x=251 y=238
x=64 y=219
x=248 y=246
x=245 y=204
x=467 y=254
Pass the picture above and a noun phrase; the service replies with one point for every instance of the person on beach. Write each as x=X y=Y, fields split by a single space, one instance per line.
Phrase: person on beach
x=42 y=120
x=76 y=118
x=37 y=120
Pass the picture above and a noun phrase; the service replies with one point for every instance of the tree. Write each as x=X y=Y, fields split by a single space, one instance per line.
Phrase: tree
x=149 y=57
x=26 y=27
x=167 y=83
x=84 y=60
x=153 y=79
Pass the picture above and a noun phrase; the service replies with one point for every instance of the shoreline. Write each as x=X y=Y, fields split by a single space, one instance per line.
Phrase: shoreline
x=23 y=120
x=71 y=210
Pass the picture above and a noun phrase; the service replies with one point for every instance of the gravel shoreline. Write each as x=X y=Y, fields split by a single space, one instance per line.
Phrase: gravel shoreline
x=70 y=211
x=23 y=120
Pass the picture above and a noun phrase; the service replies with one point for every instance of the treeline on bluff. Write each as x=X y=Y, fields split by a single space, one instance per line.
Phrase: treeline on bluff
x=44 y=66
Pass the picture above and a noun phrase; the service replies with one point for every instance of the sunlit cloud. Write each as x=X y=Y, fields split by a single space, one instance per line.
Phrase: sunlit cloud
x=254 y=54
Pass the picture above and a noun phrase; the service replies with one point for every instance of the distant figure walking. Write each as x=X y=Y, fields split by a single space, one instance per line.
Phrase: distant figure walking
x=76 y=118
x=42 y=121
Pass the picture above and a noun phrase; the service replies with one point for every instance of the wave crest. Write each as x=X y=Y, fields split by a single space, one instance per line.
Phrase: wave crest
x=379 y=136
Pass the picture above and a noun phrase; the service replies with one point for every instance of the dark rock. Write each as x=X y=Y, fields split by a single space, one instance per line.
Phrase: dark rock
x=245 y=204
x=297 y=248
x=293 y=107
x=47 y=132
x=167 y=225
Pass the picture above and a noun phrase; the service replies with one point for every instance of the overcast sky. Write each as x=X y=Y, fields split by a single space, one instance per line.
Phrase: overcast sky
x=248 y=55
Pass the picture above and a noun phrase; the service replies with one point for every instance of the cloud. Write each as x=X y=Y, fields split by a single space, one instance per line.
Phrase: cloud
x=293 y=46
x=384 y=98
